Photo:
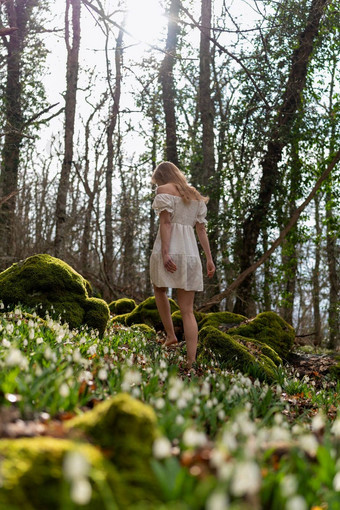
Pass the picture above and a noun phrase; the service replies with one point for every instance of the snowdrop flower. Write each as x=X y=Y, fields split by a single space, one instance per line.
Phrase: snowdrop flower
x=336 y=482
x=205 y=390
x=161 y=448
x=39 y=340
x=76 y=356
x=181 y=403
x=217 y=458
x=131 y=378
x=246 y=478
x=64 y=390
x=102 y=374
x=335 y=429
x=2 y=306
x=179 y=420
x=217 y=501
x=288 y=485
x=176 y=386
x=221 y=414
x=308 y=443
x=81 y=491
x=6 y=343
x=229 y=441
x=31 y=334
x=85 y=376
x=92 y=350
x=296 y=503
x=193 y=438
x=16 y=358
x=75 y=465
x=9 y=328
x=159 y=403
x=318 y=423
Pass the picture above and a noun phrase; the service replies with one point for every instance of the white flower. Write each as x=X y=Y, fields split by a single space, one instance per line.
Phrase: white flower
x=64 y=390
x=161 y=448
x=308 y=443
x=217 y=458
x=75 y=465
x=16 y=358
x=81 y=491
x=336 y=427
x=39 y=340
x=6 y=343
x=102 y=374
x=159 y=403
x=131 y=378
x=318 y=422
x=336 y=482
x=31 y=334
x=193 y=438
x=205 y=390
x=217 y=501
x=179 y=420
x=288 y=485
x=76 y=356
x=296 y=503
x=246 y=479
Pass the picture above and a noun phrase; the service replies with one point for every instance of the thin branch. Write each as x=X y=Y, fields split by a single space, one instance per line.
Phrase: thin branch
x=37 y=115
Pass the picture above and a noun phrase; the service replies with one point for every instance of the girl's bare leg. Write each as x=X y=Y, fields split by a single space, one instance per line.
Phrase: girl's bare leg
x=164 y=310
x=186 y=304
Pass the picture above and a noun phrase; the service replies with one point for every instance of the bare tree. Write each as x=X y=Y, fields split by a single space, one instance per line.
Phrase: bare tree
x=72 y=67
x=166 y=78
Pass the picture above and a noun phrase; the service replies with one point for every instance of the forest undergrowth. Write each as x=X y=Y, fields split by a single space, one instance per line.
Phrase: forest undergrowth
x=226 y=439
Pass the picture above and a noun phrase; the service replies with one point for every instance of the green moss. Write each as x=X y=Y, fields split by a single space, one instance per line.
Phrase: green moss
x=217 y=319
x=269 y=328
x=53 y=286
x=126 y=429
x=249 y=359
x=147 y=313
x=31 y=473
x=119 y=319
x=122 y=306
x=149 y=331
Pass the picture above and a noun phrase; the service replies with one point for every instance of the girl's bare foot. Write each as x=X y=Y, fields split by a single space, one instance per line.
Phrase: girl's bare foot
x=170 y=342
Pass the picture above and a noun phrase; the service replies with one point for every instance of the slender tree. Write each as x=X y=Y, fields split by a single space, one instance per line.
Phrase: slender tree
x=166 y=78
x=72 y=68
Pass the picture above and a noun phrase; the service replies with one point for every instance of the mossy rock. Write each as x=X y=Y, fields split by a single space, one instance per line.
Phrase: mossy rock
x=122 y=306
x=221 y=319
x=269 y=328
x=146 y=312
x=119 y=319
x=52 y=286
x=126 y=429
x=144 y=328
x=31 y=474
x=249 y=359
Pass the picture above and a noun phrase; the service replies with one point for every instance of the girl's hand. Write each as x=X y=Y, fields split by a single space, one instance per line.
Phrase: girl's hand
x=210 y=268
x=169 y=264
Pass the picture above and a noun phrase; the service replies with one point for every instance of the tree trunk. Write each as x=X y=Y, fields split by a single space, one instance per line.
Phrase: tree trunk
x=166 y=79
x=70 y=109
x=208 y=176
x=291 y=103
x=316 y=274
x=18 y=14
x=108 y=254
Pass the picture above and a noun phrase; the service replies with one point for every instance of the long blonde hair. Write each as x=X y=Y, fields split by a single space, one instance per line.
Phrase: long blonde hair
x=166 y=172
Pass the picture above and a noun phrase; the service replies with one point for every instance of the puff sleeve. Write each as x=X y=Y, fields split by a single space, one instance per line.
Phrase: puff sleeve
x=201 y=212
x=163 y=202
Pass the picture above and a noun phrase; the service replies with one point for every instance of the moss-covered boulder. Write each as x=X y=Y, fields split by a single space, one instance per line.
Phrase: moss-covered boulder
x=58 y=289
x=33 y=474
x=126 y=429
x=225 y=320
x=250 y=357
x=268 y=328
x=147 y=313
x=144 y=328
x=121 y=306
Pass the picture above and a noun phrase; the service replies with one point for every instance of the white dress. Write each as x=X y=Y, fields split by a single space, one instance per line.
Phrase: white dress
x=183 y=245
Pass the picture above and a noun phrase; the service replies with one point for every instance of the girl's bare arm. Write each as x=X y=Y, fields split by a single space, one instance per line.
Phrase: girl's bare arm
x=203 y=238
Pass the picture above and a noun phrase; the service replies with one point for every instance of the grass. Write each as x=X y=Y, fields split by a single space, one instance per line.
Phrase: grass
x=229 y=441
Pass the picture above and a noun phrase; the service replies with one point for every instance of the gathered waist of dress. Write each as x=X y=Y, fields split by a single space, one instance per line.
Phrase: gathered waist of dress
x=180 y=223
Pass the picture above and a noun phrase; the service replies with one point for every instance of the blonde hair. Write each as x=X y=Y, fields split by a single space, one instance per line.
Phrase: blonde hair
x=166 y=173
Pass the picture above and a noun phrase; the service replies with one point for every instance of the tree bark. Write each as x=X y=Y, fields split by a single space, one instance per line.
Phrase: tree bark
x=316 y=275
x=297 y=213
x=166 y=79
x=108 y=254
x=18 y=14
x=208 y=176
x=290 y=105
x=72 y=67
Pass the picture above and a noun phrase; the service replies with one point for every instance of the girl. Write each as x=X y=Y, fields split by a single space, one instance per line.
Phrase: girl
x=175 y=260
